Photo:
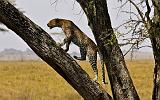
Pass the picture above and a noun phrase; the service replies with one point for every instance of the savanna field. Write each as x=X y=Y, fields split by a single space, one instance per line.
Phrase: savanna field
x=35 y=80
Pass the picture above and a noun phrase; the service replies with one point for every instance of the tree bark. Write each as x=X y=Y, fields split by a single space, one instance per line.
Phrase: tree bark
x=45 y=47
x=99 y=21
x=154 y=32
x=156 y=51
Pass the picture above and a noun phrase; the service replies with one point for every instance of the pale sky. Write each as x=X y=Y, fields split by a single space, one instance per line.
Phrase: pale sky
x=41 y=11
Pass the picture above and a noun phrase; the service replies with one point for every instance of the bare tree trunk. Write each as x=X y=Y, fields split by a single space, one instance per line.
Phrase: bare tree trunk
x=155 y=40
x=156 y=51
x=45 y=47
x=154 y=33
x=99 y=21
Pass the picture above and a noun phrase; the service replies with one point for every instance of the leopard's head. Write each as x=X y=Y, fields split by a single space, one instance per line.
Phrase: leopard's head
x=53 y=23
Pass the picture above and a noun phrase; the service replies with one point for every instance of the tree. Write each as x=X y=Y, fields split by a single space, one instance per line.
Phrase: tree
x=154 y=32
x=99 y=21
x=146 y=25
x=45 y=47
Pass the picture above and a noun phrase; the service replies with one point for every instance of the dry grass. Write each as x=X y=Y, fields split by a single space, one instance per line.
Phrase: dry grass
x=142 y=75
x=37 y=81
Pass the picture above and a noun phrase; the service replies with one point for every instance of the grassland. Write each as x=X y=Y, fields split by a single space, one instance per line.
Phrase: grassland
x=35 y=80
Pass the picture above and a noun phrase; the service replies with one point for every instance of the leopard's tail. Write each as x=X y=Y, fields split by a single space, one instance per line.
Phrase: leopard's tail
x=102 y=66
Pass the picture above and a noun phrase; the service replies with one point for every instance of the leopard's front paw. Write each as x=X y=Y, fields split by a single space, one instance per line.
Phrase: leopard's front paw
x=75 y=57
x=66 y=50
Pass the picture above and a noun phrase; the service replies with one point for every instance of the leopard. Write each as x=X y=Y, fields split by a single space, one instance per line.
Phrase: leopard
x=86 y=46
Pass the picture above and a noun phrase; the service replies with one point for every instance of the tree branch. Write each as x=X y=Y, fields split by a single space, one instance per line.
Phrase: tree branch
x=148 y=11
x=139 y=11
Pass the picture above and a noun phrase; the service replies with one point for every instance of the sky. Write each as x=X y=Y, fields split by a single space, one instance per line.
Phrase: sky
x=41 y=11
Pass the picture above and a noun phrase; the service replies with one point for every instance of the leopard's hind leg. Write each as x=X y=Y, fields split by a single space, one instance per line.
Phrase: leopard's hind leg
x=83 y=54
x=93 y=62
x=103 y=68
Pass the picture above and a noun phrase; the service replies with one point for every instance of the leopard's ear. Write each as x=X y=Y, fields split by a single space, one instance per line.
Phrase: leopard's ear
x=57 y=20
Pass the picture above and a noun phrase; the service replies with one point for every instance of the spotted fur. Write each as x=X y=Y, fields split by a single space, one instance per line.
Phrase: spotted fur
x=87 y=46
